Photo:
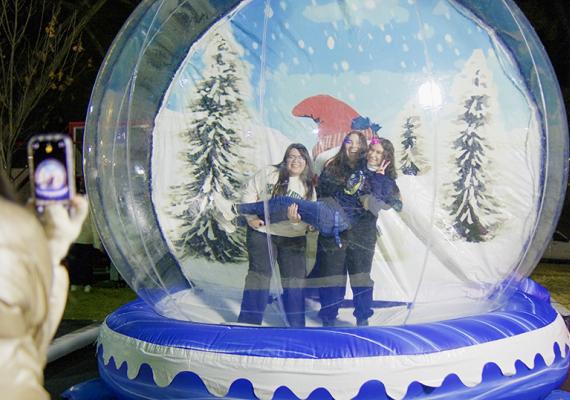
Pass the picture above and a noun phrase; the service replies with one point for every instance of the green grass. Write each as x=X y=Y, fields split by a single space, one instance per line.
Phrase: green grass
x=556 y=278
x=97 y=304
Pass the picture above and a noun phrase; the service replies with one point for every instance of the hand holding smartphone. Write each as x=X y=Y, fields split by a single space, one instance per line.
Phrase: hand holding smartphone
x=52 y=176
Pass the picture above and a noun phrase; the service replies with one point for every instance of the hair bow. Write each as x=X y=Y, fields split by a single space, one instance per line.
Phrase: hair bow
x=375 y=140
x=361 y=123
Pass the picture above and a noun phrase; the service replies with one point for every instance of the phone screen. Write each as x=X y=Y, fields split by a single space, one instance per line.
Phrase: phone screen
x=50 y=169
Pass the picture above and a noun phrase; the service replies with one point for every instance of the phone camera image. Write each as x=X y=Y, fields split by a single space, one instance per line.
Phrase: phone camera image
x=51 y=180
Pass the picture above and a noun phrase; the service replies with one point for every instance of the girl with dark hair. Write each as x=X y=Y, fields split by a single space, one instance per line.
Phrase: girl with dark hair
x=350 y=157
x=374 y=188
x=347 y=222
x=380 y=151
x=33 y=288
x=292 y=177
x=287 y=167
x=355 y=258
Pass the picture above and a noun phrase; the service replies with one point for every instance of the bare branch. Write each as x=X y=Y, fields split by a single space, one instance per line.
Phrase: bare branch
x=40 y=46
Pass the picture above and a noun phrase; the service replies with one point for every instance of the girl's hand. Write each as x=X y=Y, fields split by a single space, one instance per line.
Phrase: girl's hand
x=382 y=168
x=255 y=223
x=293 y=213
x=62 y=227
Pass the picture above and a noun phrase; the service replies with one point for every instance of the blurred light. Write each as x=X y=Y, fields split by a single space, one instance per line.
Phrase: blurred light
x=429 y=95
x=139 y=170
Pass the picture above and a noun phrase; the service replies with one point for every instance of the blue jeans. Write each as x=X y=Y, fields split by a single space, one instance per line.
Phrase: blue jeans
x=326 y=216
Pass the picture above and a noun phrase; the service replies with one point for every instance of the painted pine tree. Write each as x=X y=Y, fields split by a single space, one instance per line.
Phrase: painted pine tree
x=473 y=208
x=409 y=140
x=217 y=110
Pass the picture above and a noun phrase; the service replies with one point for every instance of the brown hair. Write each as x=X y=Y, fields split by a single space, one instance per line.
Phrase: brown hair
x=307 y=176
x=388 y=155
x=340 y=166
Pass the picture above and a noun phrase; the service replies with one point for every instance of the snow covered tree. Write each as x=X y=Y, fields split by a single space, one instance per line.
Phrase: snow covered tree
x=409 y=164
x=473 y=208
x=217 y=110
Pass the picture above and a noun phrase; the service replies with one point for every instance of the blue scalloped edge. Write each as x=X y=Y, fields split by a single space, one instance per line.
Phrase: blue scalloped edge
x=529 y=382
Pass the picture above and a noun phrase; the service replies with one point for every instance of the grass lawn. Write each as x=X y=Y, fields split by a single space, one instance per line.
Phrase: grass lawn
x=97 y=304
x=103 y=300
x=556 y=278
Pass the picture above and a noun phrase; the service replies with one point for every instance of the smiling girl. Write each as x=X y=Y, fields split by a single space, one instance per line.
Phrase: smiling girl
x=373 y=186
x=293 y=178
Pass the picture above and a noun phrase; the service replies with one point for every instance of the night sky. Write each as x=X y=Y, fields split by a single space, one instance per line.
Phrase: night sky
x=550 y=18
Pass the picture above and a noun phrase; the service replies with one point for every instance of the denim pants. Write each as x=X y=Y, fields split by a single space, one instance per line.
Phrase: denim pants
x=325 y=215
x=290 y=255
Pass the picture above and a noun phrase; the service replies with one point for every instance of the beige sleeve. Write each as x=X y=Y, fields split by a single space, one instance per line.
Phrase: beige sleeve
x=256 y=186
x=251 y=194
x=253 y=188
x=22 y=295
x=22 y=387
x=22 y=312
x=56 y=306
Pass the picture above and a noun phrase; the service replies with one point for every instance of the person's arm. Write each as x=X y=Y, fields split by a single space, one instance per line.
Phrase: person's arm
x=61 y=228
x=33 y=291
x=23 y=309
x=311 y=228
x=253 y=191
x=384 y=194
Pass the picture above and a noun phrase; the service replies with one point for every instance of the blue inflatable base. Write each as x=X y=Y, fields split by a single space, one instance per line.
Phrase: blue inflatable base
x=137 y=324
x=96 y=389
x=495 y=385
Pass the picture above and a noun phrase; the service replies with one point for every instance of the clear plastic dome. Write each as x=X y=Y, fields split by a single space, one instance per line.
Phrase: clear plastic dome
x=196 y=100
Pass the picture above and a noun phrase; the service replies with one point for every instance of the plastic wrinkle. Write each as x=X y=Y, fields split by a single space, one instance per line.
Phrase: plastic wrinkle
x=522 y=314
x=343 y=378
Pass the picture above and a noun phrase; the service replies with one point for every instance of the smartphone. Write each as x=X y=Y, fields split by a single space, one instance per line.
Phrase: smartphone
x=52 y=176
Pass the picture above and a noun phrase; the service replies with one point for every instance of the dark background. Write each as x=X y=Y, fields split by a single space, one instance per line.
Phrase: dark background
x=550 y=19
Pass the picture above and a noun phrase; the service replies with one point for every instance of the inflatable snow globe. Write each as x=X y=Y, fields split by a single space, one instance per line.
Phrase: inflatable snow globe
x=439 y=125
x=195 y=98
